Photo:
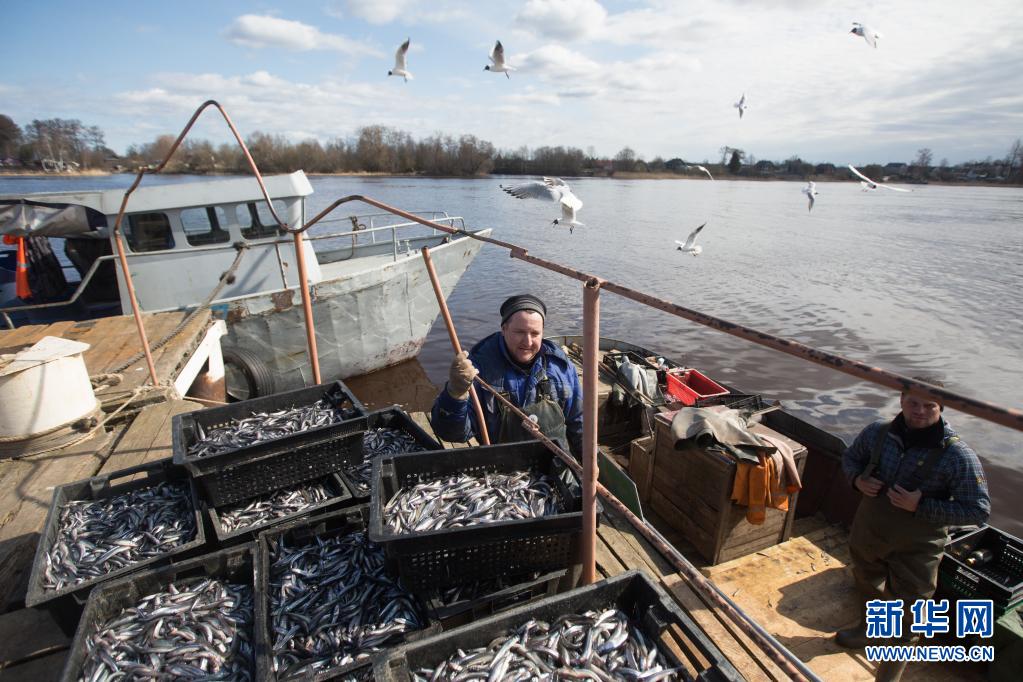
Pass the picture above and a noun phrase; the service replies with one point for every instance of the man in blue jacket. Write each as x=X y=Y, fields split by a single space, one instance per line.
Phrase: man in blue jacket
x=531 y=372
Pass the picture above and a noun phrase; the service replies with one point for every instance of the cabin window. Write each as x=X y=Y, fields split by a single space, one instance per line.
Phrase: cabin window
x=258 y=223
x=204 y=226
x=149 y=232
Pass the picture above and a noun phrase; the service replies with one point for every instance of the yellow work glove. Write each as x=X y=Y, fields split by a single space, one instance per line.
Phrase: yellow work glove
x=461 y=375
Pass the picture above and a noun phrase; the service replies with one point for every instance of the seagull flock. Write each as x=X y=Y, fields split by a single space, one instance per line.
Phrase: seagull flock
x=557 y=190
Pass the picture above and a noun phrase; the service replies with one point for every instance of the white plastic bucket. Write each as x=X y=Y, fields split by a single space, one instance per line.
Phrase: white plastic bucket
x=44 y=387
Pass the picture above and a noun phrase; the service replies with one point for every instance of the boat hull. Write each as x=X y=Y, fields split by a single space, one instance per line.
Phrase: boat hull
x=365 y=321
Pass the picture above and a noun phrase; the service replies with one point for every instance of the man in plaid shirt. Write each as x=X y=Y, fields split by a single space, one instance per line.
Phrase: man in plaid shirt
x=917 y=478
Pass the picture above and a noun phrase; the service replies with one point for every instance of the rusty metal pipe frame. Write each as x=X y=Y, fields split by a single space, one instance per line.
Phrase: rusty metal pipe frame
x=307 y=308
x=782 y=657
x=591 y=346
x=453 y=335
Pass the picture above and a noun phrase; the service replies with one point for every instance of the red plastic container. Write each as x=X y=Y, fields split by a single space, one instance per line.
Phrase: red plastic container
x=688 y=385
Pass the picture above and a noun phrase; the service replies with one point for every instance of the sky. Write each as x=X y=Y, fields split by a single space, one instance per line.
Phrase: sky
x=658 y=77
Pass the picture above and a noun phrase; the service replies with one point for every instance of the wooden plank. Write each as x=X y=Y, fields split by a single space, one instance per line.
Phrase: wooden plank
x=42 y=669
x=26 y=492
x=149 y=436
x=28 y=632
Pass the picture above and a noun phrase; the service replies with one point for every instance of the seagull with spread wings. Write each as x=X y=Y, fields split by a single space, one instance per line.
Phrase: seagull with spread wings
x=702 y=169
x=551 y=189
x=497 y=57
x=690 y=246
x=400 y=63
x=870 y=184
x=741 y=104
x=810 y=191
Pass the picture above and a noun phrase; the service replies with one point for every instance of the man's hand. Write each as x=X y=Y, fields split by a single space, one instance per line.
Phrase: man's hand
x=868 y=485
x=903 y=499
x=461 y=375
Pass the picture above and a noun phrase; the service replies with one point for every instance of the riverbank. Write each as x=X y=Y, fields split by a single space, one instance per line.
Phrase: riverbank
x=21 y=172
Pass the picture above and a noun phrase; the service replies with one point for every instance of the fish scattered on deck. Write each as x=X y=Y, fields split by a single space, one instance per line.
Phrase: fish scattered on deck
x=590 y=646
x=377 y=442
x=332 y=602
x=199 y=629
x=278 y=504
x=266 y=426
x=466 y=500
x=96 y=537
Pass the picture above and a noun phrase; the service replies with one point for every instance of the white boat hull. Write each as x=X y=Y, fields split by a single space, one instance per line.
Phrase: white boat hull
x=365 y=321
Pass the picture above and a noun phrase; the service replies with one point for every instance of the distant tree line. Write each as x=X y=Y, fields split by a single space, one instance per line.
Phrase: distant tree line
x=59 y=144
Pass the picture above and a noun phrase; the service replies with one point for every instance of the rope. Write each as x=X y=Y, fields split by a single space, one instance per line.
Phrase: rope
x=228 y=274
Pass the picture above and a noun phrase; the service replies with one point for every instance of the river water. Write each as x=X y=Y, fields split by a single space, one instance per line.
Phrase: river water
x=924 y=283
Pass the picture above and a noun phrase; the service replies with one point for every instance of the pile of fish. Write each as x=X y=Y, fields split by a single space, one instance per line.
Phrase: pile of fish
x=96 y=537
x=466 y=500
x=590 y=646
x=264 y=426
x=376 y=442
x=332 y=602
x=276 y=505
x=195 y=630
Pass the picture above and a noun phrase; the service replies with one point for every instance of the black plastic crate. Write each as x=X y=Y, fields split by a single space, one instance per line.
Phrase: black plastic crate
x=439 y=558
x=1000 y=580
x=67 y=603
x=331 y=525
x=254 y=470
x=390 y=418
x=518 y=591
x=341 y=496
x=744 y=402
x=645 y=602
x=237 y=565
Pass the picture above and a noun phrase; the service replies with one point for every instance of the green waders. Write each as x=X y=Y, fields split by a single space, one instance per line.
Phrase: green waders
x=549 y=417
x=895 y=554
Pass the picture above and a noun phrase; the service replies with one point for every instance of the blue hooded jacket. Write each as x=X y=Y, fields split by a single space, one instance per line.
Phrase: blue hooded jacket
x=455 y=420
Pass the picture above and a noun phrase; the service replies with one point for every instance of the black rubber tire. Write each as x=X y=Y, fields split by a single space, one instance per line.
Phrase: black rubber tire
x=255 y=376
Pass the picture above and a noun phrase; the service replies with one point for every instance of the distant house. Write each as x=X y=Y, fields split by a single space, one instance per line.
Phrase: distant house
x=765 y=167
x=894 y=168
x=824 y=169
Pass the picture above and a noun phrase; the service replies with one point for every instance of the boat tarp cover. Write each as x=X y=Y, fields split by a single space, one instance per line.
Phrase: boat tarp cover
x=24 y=218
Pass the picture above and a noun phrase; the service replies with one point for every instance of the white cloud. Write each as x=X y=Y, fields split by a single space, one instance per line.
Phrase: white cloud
x=563 y=19
x=406 y=11
x=260 y=31
x=378 y=11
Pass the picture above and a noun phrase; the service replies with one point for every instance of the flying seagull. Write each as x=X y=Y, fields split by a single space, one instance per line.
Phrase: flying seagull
x=867 y=33
x=551 y=189
x=811 y=191
x=741 y=104
x=700 y=168
x=497 y=57
x=870 y=184
x=867 y=186
x=689 y=246
x=400 y=68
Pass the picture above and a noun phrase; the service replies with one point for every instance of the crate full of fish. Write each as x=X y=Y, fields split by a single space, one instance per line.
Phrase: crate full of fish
x=468 y=514
x=242 y=521
x=330 y=602
x=389 y=432
x=190 y=620
x=105 y=526
x=246 y=449
x=610 y=630
x=461 y=604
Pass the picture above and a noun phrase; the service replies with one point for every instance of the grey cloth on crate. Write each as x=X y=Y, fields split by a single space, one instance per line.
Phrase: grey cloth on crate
x=642 y=379
x=728 y=429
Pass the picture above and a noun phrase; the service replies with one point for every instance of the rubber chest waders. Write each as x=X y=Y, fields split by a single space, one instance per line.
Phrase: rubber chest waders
x=892 y=547
x=549 y=416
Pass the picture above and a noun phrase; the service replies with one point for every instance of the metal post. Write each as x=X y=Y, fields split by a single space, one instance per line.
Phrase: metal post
x=307 y=307
x=476 y=406
x=591 y=346
x=130 y=287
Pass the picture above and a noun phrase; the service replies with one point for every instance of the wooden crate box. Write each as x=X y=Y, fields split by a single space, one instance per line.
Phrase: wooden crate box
x=692 y=489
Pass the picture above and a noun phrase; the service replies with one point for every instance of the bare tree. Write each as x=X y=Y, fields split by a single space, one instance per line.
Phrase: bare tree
x=923 y=162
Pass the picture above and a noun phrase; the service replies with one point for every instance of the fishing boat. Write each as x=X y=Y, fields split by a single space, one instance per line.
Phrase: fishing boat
x=181 y=240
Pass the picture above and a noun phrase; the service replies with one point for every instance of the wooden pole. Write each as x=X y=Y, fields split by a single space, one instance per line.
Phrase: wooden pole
x=476 y=406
